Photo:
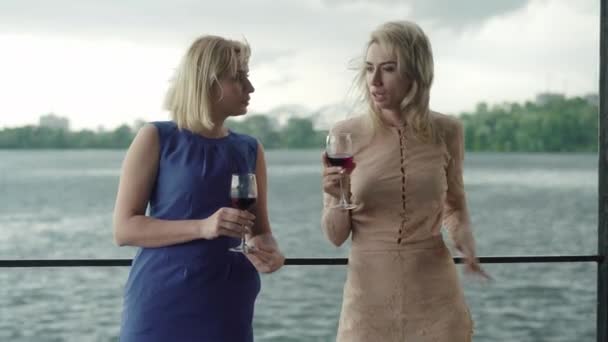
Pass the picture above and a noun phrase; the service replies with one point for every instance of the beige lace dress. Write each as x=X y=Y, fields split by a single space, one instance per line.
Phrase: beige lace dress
x=402 y=284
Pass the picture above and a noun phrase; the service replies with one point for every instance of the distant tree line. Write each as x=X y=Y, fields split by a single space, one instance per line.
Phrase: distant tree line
x=553 y=123
x=38 y=137
x=297 y=133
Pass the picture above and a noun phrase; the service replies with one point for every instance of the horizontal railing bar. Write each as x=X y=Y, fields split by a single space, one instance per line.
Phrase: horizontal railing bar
x=299 y=261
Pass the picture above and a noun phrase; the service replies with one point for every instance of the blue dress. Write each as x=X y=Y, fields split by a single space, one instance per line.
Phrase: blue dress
x=195 y=291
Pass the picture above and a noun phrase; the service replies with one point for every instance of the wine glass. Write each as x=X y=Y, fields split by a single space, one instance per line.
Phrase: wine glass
x=339 y=149
x=243 y=193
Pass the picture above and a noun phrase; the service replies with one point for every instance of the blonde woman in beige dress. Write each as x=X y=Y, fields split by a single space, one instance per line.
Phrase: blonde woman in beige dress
x=402 y=284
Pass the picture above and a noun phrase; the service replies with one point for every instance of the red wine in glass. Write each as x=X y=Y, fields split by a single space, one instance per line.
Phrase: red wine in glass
x=242 y=203
x=341 y=159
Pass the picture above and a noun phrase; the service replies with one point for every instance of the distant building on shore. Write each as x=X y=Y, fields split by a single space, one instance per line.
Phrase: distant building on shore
x=592 y=99
x=53 y=121
x=544 y=98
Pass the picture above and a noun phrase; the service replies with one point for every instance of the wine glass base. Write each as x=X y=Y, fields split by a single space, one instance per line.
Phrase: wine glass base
x=345 y=206
x=242 y=249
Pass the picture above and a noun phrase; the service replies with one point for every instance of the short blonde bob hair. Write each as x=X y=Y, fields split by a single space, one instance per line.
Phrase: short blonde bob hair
x=195 y=84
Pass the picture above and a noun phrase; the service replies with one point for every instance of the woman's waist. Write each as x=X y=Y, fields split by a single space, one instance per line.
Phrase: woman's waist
x=393 y=221
x=389 y=242
x=216 y=249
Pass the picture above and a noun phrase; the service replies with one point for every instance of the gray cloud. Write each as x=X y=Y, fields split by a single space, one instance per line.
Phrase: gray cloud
x=270 y=56
x=465 y=13
x=280 y=82
x=160 y=22
x=448 y=13
x=274 y=28
x=171 y=20
x=130 y=19
x=310 y=44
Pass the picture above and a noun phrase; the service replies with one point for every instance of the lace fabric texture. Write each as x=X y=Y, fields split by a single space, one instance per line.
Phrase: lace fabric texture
x=408 y=295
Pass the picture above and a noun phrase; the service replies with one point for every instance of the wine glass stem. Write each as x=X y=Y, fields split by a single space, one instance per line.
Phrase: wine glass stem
x=342 y=194
x=243 y=243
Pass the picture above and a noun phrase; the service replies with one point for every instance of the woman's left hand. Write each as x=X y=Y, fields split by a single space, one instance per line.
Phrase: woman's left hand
x=465 y=244
x=265 y=254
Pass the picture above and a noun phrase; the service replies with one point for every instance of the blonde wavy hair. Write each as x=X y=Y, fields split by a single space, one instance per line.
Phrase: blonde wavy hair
x=412 y=48
x=195 y=84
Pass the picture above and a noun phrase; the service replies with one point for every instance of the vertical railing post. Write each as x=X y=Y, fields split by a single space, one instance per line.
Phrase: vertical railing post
x=602 y=275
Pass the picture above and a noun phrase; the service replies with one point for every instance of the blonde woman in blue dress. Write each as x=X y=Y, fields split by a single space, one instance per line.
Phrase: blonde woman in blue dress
x=185 y=284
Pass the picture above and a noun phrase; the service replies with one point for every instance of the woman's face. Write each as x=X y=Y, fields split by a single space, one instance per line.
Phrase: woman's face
x=233 y=98
x=387 y=87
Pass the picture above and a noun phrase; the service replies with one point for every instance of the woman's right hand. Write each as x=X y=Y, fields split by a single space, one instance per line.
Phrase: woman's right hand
x=332 y=175
x=228 y=222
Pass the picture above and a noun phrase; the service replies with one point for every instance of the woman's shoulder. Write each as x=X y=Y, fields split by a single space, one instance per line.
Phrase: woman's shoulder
x=167 y=124
x=249 y=139
x=163 y=128
x=445 y=121
x=446 y=125
x=353 y=124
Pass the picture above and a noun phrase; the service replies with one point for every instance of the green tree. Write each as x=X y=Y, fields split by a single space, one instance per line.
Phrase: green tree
x=299 y=133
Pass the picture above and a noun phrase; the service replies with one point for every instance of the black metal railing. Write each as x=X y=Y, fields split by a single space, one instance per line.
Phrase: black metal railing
x=300 y=261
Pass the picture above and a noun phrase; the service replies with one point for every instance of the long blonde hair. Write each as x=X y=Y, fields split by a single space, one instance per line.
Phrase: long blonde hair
x=415 y=62
x=192 y=90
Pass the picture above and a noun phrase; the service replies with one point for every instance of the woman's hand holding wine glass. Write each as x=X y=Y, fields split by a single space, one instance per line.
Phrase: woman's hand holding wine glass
x=228 y=222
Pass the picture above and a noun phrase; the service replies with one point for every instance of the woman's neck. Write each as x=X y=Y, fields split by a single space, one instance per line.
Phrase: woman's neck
x=393 y=117
x=216 y=131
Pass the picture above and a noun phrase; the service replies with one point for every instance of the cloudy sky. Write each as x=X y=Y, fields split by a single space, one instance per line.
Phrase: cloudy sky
x=104 y=63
